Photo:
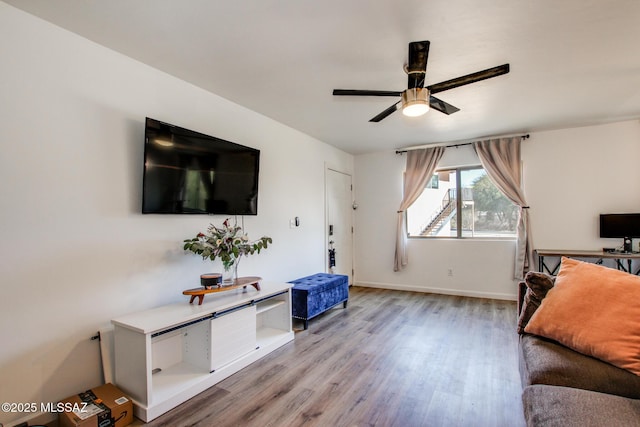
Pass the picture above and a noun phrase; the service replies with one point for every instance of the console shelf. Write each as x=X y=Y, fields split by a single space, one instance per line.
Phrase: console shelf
x=165 y=356
x=268 y=305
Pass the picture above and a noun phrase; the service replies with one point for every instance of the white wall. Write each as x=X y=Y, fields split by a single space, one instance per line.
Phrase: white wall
x=570 y=177
x=76 y=252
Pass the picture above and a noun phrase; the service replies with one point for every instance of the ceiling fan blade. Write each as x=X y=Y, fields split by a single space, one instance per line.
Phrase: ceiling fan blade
x=469 y=78
x=440 y=105
x=356 y=92
x=417 y=63
x=386 y=112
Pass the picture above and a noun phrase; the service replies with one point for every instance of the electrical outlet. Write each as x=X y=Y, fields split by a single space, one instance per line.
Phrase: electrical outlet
x=450 y=272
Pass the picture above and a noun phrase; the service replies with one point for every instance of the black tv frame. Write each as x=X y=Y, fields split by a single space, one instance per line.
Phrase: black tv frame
x=233 y=168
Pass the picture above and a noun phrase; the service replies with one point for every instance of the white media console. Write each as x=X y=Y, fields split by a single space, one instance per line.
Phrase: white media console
x=166 y=355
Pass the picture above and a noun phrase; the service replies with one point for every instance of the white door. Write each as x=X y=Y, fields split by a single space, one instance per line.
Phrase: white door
x=339 y=223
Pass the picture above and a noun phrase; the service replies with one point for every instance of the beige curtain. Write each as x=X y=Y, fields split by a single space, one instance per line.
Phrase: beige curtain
x=501 y=159
x=420 y=167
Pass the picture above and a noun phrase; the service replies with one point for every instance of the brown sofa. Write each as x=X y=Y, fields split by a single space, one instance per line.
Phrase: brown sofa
x=562 y=387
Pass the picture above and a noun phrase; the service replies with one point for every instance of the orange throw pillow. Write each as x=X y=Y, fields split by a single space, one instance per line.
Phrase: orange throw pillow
x=594 y=310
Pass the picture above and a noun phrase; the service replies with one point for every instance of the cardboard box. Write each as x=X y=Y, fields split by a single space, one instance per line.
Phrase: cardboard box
x=104 y=406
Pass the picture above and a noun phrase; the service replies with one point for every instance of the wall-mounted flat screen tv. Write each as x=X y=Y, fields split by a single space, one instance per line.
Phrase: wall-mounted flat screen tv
x=187 y=172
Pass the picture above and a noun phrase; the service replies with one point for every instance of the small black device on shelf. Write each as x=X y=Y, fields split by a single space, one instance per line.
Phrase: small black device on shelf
x=625 y=226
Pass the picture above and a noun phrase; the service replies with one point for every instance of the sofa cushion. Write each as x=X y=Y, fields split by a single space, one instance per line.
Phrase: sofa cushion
x=543 y=361
x=594 y=310
x=549 y=406
x=538 y=284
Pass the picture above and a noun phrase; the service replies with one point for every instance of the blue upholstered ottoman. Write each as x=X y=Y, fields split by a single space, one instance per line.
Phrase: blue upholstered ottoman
x=313 y=295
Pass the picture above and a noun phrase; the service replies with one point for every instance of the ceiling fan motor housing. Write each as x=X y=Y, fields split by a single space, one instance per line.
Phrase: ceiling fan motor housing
x=415 y=101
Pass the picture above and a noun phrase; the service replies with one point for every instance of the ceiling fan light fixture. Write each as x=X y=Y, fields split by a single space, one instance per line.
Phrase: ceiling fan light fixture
x=415 y=102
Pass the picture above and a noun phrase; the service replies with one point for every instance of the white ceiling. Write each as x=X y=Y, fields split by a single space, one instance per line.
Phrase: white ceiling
x=573 y=62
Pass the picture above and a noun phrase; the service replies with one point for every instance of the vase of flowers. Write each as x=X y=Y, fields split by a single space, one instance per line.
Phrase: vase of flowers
x=229 y=243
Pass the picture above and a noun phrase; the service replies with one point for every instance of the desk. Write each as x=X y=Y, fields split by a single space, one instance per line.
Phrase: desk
x=619 y=257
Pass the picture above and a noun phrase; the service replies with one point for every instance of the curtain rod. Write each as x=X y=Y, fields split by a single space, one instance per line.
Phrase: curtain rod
x=456 y=144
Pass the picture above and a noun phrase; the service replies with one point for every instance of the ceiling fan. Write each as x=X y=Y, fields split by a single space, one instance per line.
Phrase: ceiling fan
x=416 y=99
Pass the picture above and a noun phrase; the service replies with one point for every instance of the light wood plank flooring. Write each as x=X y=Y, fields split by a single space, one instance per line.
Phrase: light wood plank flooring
x=392 y=358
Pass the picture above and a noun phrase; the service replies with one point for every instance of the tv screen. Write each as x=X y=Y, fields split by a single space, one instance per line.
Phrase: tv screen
x=620 y=225
x=186 y=172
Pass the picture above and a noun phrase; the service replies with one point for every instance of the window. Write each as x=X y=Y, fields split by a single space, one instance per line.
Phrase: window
x=461 y=203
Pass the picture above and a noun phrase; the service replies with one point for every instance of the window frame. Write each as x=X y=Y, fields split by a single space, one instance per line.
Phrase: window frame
x=458 y=172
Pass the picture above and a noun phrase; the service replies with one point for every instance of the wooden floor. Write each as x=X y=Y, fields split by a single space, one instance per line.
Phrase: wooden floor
x=392 y=358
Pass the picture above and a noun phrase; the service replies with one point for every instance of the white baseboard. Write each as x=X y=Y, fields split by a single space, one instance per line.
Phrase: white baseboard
x=443 y=291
